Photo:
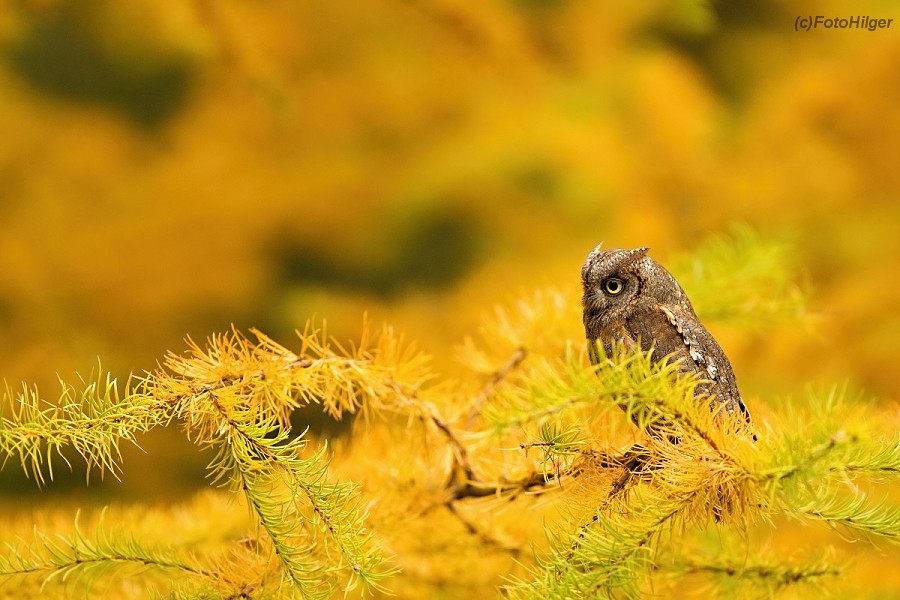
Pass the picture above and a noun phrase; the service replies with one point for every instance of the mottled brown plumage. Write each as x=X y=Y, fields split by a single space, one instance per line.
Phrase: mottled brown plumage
x=630 y=298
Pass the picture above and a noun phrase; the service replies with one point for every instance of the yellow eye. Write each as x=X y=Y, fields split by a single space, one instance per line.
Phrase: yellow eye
x=613 y=286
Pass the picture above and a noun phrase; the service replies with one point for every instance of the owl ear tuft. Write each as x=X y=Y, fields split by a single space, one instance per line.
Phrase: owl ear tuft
x=634 y=255
x=588 y=263
x=595 y=251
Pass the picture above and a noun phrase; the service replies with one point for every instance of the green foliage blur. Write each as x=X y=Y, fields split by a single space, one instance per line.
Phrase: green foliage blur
x=170 y=168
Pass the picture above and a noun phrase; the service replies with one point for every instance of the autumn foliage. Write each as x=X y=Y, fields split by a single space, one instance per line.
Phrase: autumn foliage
x=273 y=182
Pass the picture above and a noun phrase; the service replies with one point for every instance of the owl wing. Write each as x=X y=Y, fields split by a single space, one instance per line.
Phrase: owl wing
x=651 y=326
x=677 y=333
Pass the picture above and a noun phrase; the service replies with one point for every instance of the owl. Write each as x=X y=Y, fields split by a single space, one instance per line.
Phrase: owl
x=631 y=298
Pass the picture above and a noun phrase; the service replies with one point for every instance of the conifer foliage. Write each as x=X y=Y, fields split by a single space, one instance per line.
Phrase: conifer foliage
x=525 y=477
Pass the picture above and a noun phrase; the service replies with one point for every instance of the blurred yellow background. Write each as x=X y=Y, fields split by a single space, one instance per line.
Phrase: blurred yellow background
x=170 y=168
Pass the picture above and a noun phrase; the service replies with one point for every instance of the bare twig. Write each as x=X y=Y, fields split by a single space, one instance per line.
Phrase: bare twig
x=633 y=463
x=496 y=377
x=474 y=530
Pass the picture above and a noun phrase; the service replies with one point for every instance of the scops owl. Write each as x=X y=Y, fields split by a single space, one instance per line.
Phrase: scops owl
x=628 y=296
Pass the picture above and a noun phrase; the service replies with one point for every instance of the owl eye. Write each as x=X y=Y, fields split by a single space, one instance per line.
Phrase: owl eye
x=613 y=286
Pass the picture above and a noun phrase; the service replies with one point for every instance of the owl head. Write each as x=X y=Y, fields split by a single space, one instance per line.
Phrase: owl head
x=615 y=281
